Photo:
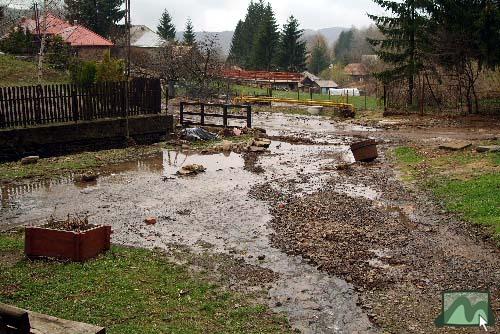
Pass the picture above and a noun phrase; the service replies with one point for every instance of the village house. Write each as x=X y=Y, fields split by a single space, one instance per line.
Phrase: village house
x=316 y=84
x=142 y=40
x=357 y=71
x=86 y=44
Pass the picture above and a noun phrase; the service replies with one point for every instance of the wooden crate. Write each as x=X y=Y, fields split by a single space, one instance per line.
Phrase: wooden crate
x=67 y=245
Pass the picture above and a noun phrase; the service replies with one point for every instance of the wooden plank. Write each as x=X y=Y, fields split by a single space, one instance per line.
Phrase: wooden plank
x=8 y=104
x=3 y=123
x=44 y=324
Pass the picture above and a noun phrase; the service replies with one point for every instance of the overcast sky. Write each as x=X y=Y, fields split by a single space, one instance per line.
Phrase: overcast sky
x=220 y=15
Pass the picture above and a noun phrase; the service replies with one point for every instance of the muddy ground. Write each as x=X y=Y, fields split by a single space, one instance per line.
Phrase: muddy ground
x=337 y=251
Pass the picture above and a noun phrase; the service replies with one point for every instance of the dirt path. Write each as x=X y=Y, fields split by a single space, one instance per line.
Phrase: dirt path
x=334 y=239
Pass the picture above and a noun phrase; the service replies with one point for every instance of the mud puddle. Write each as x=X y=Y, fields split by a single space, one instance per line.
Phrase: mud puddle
x=214 y=212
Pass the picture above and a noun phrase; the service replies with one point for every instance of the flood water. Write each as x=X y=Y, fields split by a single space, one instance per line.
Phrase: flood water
x=214 y=208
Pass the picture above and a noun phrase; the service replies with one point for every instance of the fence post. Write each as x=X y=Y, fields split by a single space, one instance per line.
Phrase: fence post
x=202 y=114
x=366 y=105
x=249 y=116
x=38 y=116
x=311 y=93
x=347 y=96
x=224 y=116
x=181 y=112
x=74 y=104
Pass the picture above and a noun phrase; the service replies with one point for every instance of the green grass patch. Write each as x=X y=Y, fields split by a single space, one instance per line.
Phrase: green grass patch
x=467 y=182
x=14 y=72
x=131 y=291
x=477 y=199
x=408 y=155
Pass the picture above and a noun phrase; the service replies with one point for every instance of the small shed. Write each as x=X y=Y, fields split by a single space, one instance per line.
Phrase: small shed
x=324 y=86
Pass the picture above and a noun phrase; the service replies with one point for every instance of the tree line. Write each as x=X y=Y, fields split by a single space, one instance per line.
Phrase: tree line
x=259 y=44
x=423 y=37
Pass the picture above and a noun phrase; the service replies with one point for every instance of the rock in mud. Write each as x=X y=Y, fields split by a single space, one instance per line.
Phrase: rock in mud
x=86 y=177
x=262 y=142
x=257 y=149
x=190 y=170
x=488 y=149
x=30 y=160
x=150 y=221
x=455 y=146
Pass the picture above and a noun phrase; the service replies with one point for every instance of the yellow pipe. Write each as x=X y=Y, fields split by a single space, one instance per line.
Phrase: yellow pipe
x=294 y=101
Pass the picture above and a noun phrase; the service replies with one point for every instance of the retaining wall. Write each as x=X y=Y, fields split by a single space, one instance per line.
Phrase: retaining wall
x=58 y=139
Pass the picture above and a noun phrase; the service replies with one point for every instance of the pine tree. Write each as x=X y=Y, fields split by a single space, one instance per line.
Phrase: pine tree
x=292 y=51
x=343 y=46
x=406 y=39
x=166 y=28
x=266 y=42
x=189 y=37
x=97 y=15
x=243 y=40
x=320 y=58
x=236 y=53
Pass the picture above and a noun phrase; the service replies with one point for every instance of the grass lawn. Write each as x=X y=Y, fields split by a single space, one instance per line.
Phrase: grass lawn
x=15 y=72
x=358 y=101
x=467 y=182
x=129 y=291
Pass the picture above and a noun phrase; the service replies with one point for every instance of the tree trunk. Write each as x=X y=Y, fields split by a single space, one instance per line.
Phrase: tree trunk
x=171 y=89
x=411 y=88
x=476 y=99
x=42 y=43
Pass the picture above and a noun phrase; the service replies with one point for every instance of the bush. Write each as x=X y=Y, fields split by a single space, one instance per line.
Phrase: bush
x=18 y=42
x=58 y=53
x=110 y=69
x=83 y=72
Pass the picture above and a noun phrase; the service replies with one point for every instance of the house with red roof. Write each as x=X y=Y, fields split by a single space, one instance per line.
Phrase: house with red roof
x=86 y=43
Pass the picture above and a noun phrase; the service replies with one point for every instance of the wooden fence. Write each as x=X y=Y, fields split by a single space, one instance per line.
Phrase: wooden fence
x=203 y=114
x=37 y=105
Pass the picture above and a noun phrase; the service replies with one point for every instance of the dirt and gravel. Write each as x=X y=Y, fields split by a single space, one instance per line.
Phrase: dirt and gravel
x=336 y=246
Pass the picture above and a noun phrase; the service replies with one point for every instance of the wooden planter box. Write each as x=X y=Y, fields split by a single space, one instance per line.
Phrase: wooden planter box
x=365 y=151
x=67 y=245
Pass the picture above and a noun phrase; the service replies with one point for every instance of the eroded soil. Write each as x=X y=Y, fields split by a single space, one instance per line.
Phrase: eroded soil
x=337 y=251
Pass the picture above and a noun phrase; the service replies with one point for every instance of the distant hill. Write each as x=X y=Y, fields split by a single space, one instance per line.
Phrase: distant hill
x=225 y=37
x=331 y=34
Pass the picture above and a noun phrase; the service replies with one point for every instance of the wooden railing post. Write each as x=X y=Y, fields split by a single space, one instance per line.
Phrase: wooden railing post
x=181 y=112
x=249 y=116
x=224 y=116
x=202 y=114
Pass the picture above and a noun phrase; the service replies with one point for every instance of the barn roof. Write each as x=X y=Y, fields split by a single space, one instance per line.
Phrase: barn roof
x=143 y=37
x=326 y=84
x=75 y=35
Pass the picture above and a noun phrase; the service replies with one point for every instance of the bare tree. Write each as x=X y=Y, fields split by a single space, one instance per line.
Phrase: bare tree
x=196 y=68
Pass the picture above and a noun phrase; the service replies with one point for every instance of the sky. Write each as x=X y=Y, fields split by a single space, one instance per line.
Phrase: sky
x=221 y=15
